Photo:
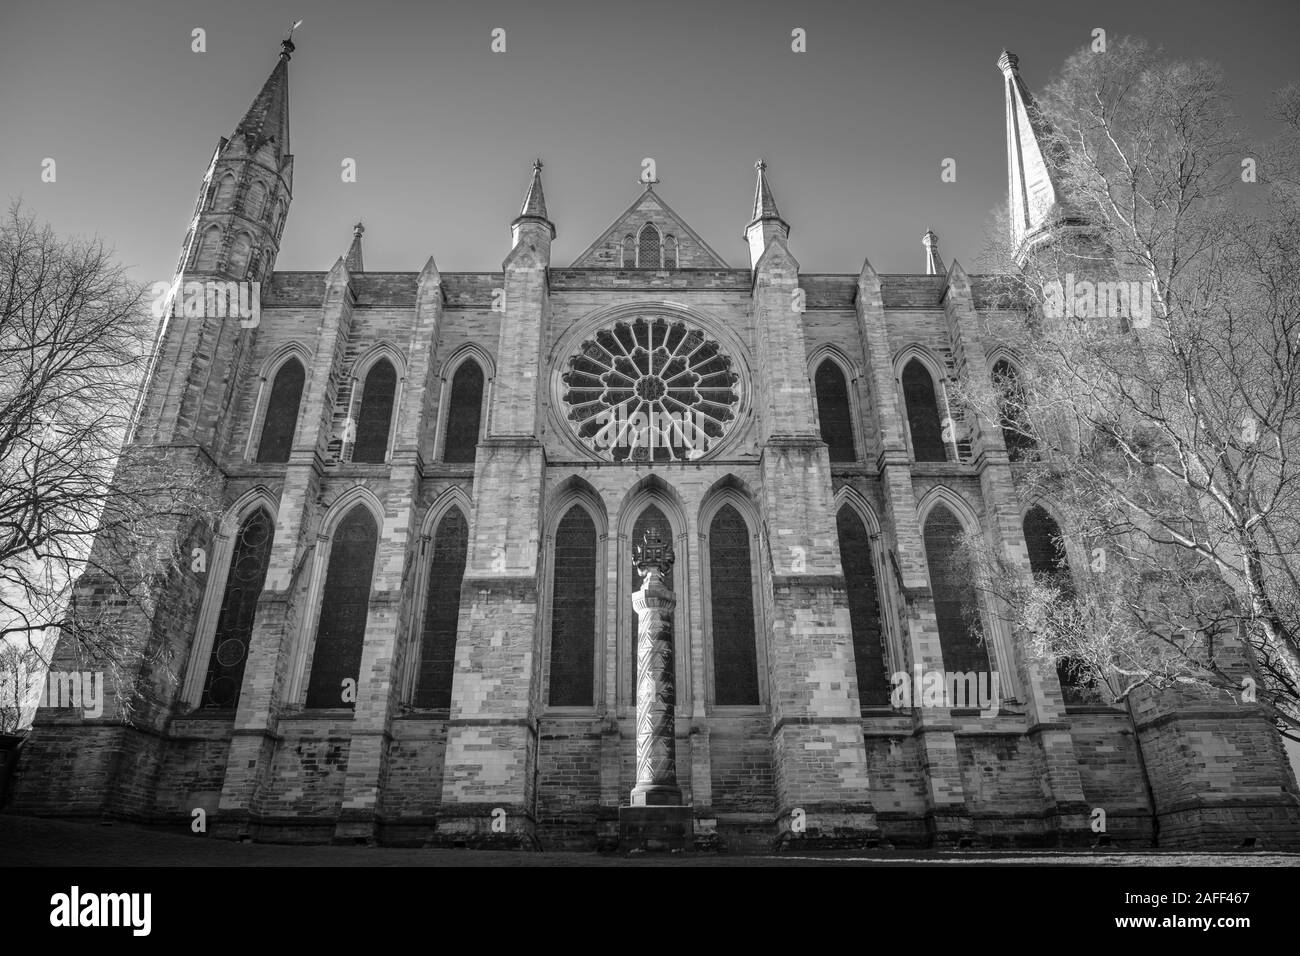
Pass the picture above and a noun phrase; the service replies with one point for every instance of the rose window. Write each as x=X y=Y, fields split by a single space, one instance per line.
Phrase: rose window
x=650 y=390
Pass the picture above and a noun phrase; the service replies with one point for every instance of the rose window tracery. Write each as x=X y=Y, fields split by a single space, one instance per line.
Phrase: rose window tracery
x=650 y=389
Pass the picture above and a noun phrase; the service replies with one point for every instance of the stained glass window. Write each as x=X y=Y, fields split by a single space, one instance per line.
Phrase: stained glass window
x=951 y=582
x=376 y=415
x=1047 y=561
x=281 y=413
x=648 y=248
x=573 y=611
x=735 y=651
x=464 y=413
x=652 y=389
x=835 y=411
x=442 y=611
x=923 y=413
x=345 y=602
x=244 y=581
x=864 y=608
x=1012 y=407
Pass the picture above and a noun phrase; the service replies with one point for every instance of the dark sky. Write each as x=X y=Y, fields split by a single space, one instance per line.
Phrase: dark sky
x=444 y=131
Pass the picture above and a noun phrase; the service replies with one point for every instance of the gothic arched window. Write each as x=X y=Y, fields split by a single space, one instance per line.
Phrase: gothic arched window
x=442 y=611
x=225 y=194
x=648 y=248
x=670 y=252
x=627 y=252
x=864 y=608
x=281 y=418
x=835 y=411
x=345 y=602
x=376 y=415
x=205 y=259
x=464 y=413
x=731 y=596
x=255 y=201
x=573 y=611
x=952 y=584
x=1048 y=563
x=244 y=581
x=240 y=251
x=923 y=416
x=1011 y=407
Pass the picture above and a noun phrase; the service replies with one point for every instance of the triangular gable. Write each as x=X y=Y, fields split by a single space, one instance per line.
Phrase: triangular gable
x=606 y=252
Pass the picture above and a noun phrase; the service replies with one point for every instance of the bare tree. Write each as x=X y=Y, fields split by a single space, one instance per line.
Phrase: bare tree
x=1165 y=432
x=74 y=343
x=20 y=671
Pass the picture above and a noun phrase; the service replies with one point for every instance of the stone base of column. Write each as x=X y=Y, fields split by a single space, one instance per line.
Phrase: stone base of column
x=656 y=829
x=653 y=795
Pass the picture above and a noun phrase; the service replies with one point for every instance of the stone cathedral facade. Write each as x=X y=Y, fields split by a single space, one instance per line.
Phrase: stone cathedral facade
x=415 y=626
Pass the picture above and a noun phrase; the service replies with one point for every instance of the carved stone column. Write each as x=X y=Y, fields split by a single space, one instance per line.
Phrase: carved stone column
x=656 y=695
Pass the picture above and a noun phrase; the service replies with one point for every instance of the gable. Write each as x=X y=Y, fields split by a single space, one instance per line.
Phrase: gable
x=607 y=251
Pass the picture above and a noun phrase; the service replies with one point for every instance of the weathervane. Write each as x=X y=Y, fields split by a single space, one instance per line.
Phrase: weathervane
x=286 y=45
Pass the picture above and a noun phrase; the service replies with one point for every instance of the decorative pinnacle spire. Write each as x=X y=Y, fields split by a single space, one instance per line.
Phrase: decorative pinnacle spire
x=353 y=260
x=764 y=201
x=933 y=264
x=534 y=206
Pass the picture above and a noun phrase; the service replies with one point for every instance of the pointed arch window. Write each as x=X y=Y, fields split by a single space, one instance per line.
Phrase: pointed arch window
x=1048 y=563
x=649 y=248
x=240 y=252
x=670 y=252
x=864 y=608
x=835 y=411
x=1011 y=408
x=244 y=581
x=225 y=194
x=343 y=610
x=255 y=201
x=923 y=416
x=205 y=259
x=281 y=419
x=442 y=611
x=731 y=597
x=573 y=611
x=952 y=584
x=375 y=418
x=464 y=414
x=627 y=252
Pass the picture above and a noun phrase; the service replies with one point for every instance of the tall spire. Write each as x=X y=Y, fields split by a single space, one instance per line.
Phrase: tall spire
x=534 y=207
x=933 y=264
x=766 y=226
x=764 y=201
x=353 y=259
x=267 y=120
x=1033 y=197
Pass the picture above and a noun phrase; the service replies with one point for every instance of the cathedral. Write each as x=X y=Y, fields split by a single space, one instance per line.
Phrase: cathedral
x=415 y=623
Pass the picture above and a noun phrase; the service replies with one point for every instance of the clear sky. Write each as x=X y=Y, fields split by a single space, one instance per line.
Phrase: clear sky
x=444 y=131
